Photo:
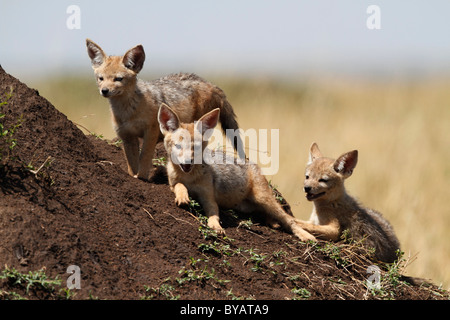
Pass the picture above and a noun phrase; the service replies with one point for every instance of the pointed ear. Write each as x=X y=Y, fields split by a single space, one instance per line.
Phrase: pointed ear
x=168 y=119
x=95 y=53
x=208 y=121
x=314 y=153
x=346 y=163
x=134 y=58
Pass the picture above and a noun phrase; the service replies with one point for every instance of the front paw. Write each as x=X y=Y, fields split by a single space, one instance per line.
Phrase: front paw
x=213 y=223
x=306 y=236
x=182 y=199
x=302 y=234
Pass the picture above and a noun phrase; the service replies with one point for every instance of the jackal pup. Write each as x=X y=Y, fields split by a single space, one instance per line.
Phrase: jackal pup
x=134 y=103
x=213 y=179
x=335 y=211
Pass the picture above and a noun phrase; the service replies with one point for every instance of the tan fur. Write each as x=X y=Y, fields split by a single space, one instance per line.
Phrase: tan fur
x=335 y=211
x=134 y=103
x=216 y=185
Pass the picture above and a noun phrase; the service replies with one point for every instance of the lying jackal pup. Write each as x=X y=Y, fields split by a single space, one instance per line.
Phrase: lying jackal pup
x=335 y=211
x=217 y=181
x=134 y=103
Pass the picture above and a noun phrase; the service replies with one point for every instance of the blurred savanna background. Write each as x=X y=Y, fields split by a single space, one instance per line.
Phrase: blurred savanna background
x=315 y=70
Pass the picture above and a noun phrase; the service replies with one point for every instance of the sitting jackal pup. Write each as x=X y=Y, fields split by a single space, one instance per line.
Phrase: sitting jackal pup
x=335 y=211
x=216 y=182
x=134 y=103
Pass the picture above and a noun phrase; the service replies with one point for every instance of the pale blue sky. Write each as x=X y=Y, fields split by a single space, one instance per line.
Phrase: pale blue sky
x=282 y=37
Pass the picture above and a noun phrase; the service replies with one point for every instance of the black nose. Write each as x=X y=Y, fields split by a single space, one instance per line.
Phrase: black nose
x=105 y=92
x=307 y=189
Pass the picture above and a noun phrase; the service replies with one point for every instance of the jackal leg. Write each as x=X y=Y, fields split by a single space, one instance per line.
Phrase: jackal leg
x=131 y=149
x=287 y=222
x=329 y=231
x=181 y=194
x=146 y=156
x=209 y=204
x=275 y=213
x=264 y=200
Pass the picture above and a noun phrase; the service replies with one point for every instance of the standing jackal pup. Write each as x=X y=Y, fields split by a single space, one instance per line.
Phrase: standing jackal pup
x=335 y=211
x=134 y=103
x=213 y=181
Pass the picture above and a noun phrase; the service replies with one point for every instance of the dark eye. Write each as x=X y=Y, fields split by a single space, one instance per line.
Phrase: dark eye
x=306 y=177
x=100 y=78
x=118 y=79
x=323 y=180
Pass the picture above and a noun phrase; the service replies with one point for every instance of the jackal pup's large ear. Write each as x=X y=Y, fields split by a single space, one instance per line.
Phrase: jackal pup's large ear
x=134 y=58
x=168 y=119
x=207 y=123
x=95 y=53
x=346 y=163
x=314 y=153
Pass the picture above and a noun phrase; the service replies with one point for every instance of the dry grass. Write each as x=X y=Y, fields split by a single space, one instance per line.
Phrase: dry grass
x=401 y=129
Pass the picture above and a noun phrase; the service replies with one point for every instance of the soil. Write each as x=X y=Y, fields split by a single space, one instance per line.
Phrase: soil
x=131 y=241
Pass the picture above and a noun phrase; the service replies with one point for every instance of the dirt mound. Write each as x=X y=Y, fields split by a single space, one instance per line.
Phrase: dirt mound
x=66 y=199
